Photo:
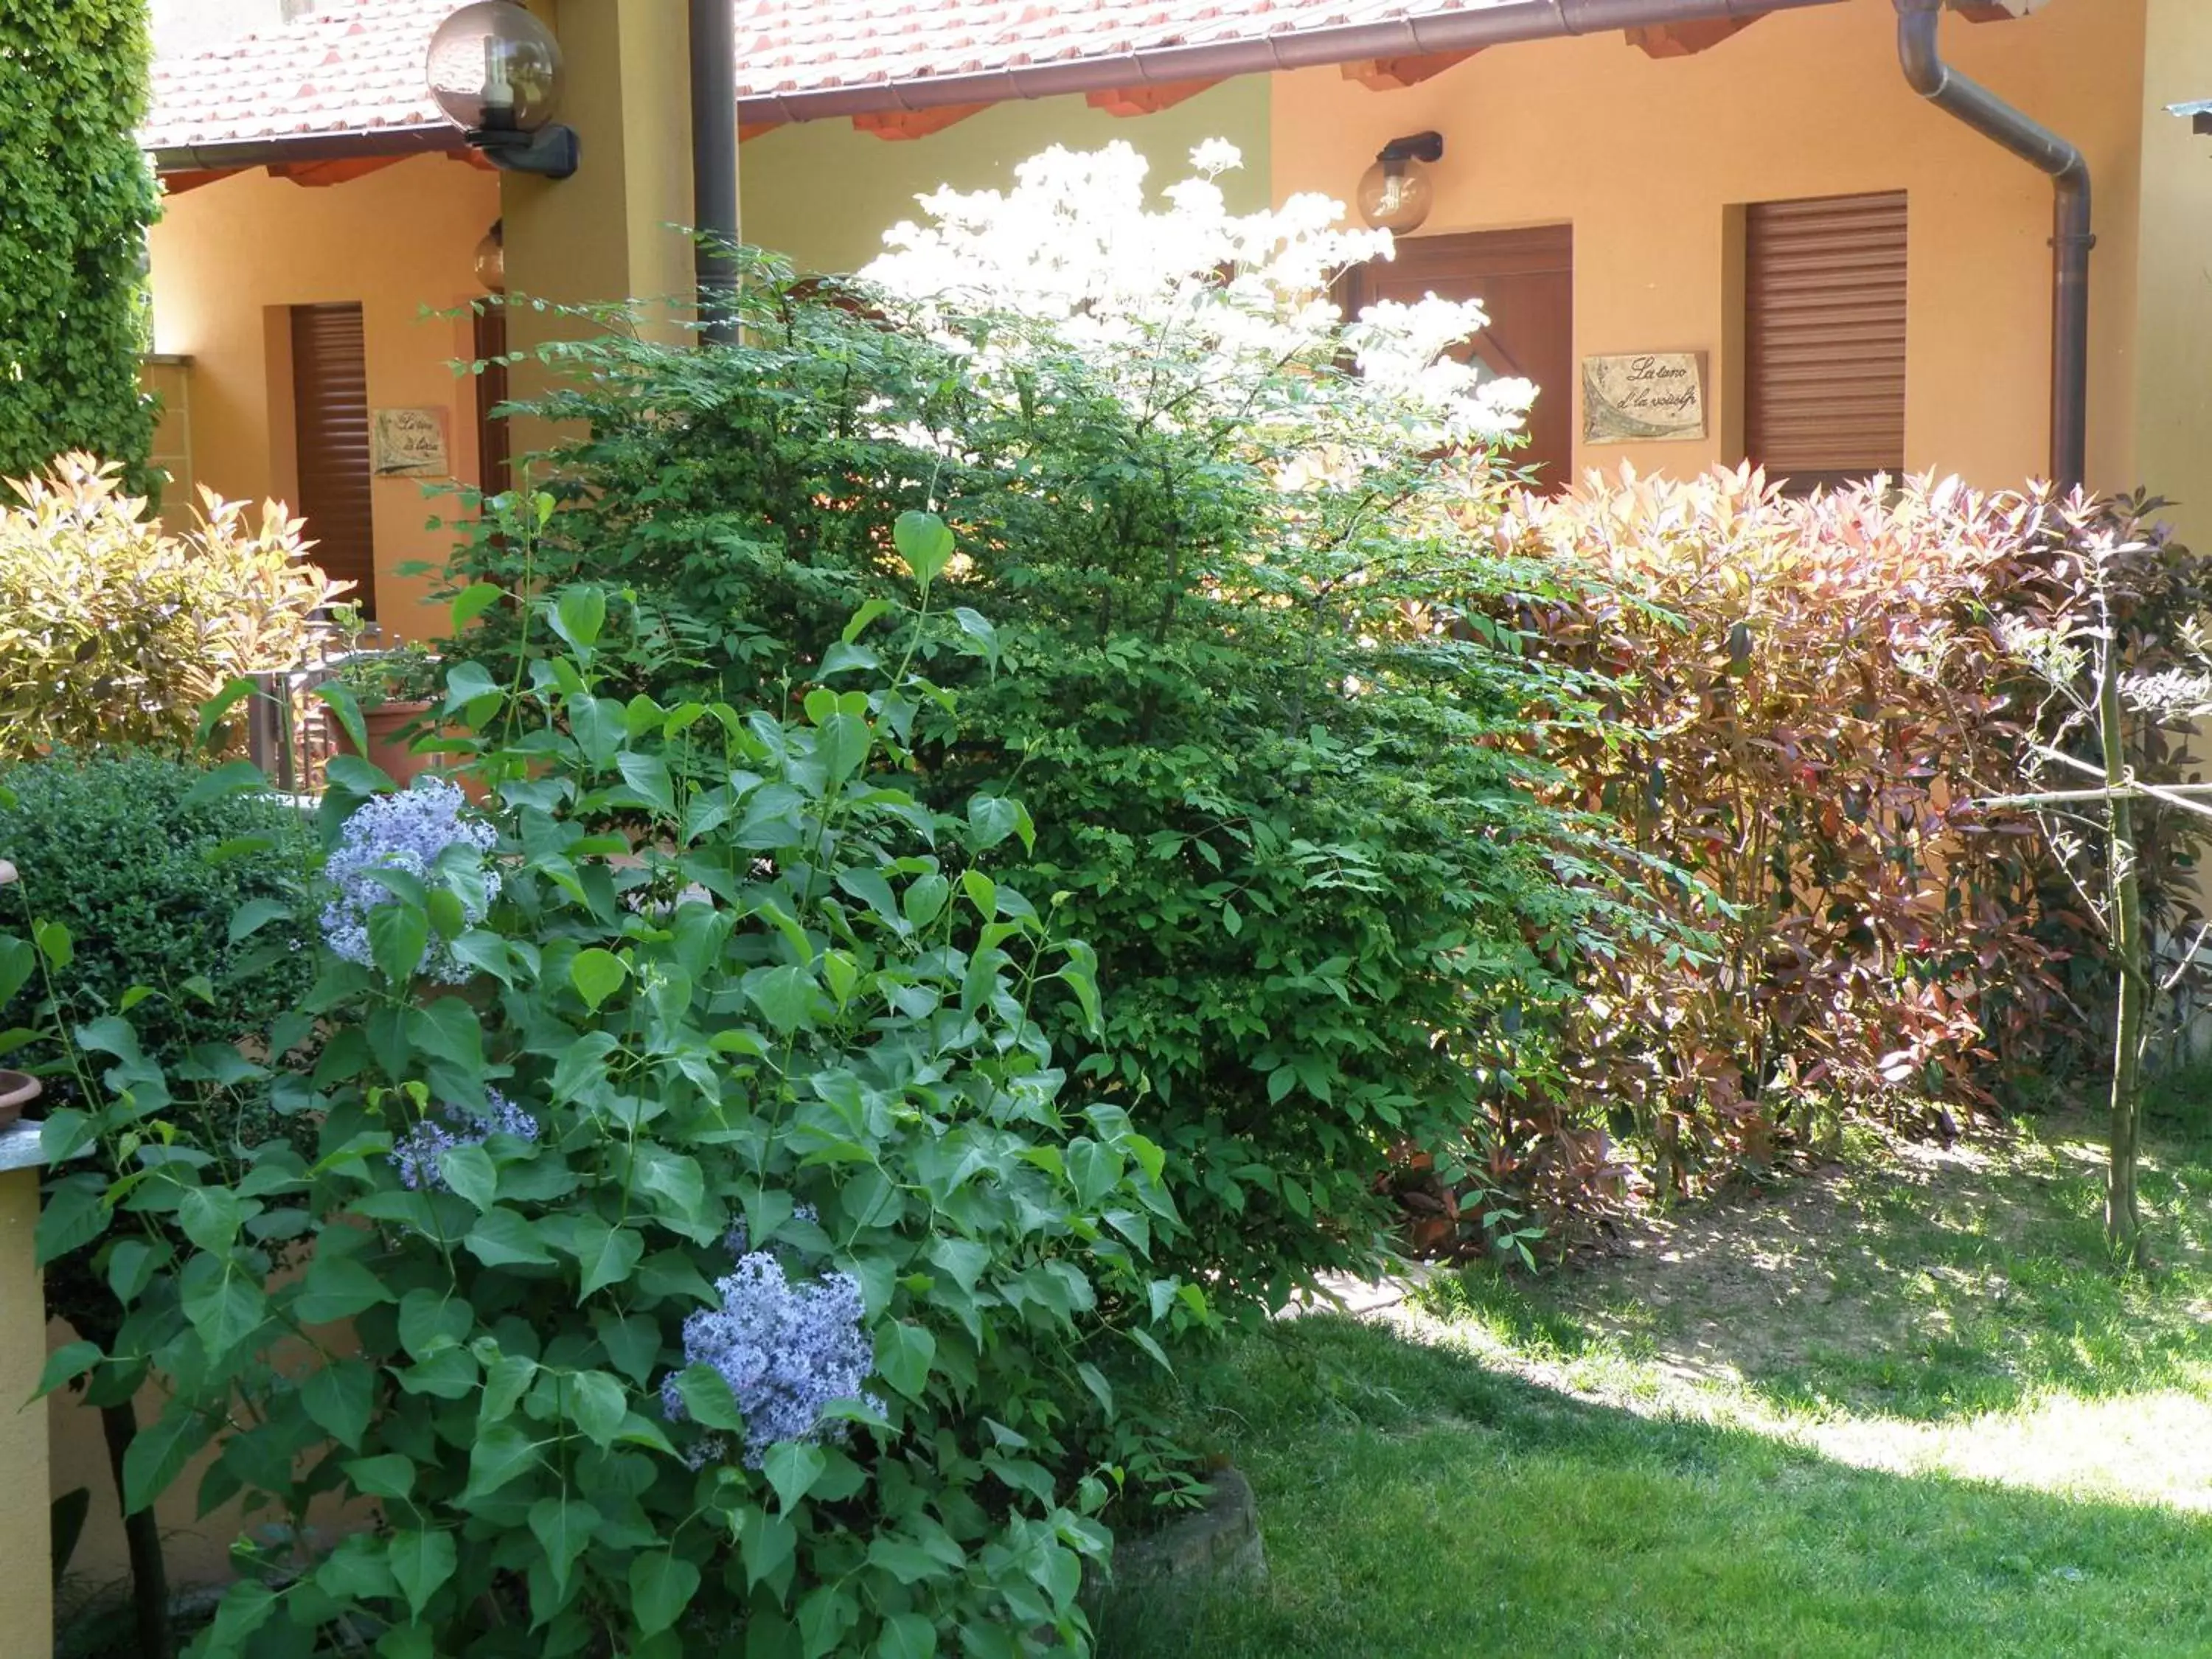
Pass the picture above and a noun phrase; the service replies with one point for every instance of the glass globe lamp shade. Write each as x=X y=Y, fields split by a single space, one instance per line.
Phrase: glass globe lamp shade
x=1394 y=196
x=494 y=68
x=491 y=262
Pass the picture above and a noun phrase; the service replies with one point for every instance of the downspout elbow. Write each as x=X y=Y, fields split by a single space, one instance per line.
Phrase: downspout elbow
x=1925 y=71
x=1920 y=54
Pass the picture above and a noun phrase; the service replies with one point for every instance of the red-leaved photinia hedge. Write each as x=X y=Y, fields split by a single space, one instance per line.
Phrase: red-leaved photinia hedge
x=1817 y=693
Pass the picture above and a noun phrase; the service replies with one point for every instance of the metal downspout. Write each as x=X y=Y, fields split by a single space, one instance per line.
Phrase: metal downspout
x=714 y=167
x=2071 y=240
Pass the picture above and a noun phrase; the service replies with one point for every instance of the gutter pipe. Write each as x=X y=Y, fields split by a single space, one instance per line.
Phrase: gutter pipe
x=302 y=149
x=714 y=167
x=2071 y=236
x=1499 y=24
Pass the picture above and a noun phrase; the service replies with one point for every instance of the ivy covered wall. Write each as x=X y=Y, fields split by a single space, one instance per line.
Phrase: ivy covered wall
x=75 y=196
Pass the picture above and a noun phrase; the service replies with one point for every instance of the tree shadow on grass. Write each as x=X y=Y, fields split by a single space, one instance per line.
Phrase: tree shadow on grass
x=1419 y=1505
x=1938 y=1287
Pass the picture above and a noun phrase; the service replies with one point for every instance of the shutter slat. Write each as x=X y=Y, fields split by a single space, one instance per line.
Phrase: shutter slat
x=329 y=408
x=1824 y=335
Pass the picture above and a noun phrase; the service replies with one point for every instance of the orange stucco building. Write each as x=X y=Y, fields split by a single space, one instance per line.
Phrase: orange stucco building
x=1646 y=157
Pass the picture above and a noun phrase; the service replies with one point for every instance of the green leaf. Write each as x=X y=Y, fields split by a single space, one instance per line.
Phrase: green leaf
x=563 y=1526
x=598 y=1403
x=18 y=961
x=501 y=1453
x=347 y=707
x=231 y=778
x=648 y=777
x=337 y=1399
x=211 y=1216
x=924 y=541
x=398 y=934
x=784 y=995
x=227 y=1310
x=338 y=1287
x=632 y=1342
x=390 y=1476
x=244 y=1608
x=469 y=1174
x=597 y=975
x=579 y=614
x=907 y=1636
x=793 y=1466
x=433 y=1321
x=707 y=1399
x=356 y=1571
x=903 y=1353
x=472 y=602
x=213 y=710
x=421 y=1562
x=501 y=1238
x=250 y=918
x=161 y=1450
x=661 y=1585
x=65 y=1365
x=54 y=943
x=983 y=892
x=506 y=1379
x=608 y=1255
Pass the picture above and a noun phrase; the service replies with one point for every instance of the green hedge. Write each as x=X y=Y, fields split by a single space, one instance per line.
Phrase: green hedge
x=76 y=197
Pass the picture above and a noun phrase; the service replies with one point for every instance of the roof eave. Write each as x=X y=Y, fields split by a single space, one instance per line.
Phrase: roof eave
x=295 y=149
x=1439 y=32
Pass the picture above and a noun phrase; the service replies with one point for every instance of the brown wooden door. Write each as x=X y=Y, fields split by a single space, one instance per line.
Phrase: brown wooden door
x=1525 y=280
x=329 y=413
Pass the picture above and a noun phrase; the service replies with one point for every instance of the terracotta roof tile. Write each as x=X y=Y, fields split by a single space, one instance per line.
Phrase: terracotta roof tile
x=356 y=65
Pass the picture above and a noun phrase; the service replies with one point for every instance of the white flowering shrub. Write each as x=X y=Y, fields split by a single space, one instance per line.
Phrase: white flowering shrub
x=1220 y=613
x=1191 y=315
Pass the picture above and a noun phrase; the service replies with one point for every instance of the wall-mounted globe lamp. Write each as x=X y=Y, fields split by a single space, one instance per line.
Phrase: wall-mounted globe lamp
x=496 y=71
x=1394 y=194
x=491 y=259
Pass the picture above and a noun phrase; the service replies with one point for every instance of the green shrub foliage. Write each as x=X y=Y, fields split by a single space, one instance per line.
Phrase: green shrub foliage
x=143 y=869
x=706 y=1253
x=76 y=197
x=1244 y=674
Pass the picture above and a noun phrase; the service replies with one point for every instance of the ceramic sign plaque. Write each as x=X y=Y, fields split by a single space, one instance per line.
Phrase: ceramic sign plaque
x=408 y=443
x=1644 y=397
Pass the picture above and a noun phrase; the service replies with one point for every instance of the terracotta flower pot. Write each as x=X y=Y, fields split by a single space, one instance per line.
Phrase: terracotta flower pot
x=17 y=1090
x=390 y=753
x=387 y=750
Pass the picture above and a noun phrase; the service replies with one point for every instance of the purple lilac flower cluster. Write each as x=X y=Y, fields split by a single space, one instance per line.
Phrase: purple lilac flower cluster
x=415 y=1154
x=403 y=831
x=787 y=1351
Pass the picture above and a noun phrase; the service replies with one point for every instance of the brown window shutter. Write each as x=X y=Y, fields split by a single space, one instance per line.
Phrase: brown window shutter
x=329 y=406
x=1824 y=337
x=494 y=469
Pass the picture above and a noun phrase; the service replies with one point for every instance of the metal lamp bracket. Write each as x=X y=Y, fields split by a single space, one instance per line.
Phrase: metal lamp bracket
x=552 y=151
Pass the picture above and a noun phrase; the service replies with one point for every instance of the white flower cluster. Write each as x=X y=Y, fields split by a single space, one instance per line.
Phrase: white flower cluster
x=1192 y=314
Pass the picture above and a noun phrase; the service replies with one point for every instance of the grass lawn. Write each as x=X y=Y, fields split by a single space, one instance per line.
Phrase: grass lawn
x=1901 y=1408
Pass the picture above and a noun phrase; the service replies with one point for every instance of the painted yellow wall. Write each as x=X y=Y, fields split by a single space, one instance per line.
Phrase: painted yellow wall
x=228 y=255
x=2173 y=320
x=823 y=194
x=612 y=231
x=26 y=1629
x=1645 y=157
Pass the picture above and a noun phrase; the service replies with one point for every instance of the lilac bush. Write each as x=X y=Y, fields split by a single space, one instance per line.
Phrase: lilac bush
x=415 y=1153
x=787 y=1352
x=407 y=831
